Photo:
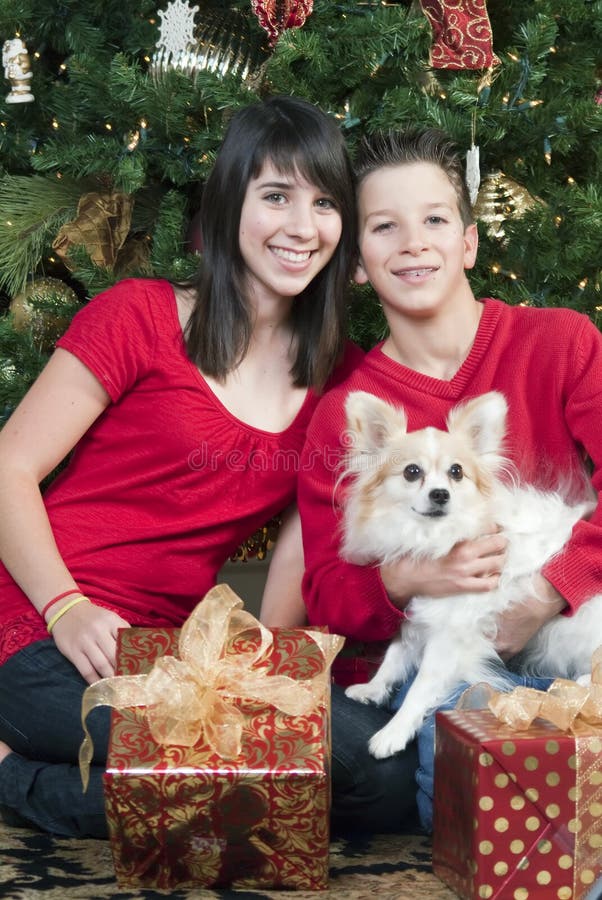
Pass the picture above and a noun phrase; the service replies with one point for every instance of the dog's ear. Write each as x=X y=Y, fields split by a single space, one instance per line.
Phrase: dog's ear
x=371 y=421
x=483 y=421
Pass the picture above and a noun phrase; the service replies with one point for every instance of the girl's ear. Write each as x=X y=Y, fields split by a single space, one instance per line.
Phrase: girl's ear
x=471 y=244
x=360 y=276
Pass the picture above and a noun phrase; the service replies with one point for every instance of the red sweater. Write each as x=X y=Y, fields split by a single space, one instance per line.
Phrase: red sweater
x=166 y=483
x=548 y=363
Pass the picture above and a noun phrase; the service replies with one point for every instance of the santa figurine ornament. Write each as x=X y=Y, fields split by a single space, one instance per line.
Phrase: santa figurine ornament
x=17 y=69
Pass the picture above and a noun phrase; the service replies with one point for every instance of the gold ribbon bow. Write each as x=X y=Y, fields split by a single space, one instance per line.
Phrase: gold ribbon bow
x=190 y=697
x=570 y=706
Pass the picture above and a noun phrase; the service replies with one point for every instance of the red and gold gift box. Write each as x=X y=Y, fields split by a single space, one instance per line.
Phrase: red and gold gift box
x=184 y=816
x=518 y=814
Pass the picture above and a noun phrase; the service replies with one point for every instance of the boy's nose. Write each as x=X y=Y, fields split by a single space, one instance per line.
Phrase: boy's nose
x=413 y=240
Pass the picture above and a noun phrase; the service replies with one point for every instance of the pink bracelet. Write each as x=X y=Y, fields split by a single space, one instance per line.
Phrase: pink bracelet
x=57 y=598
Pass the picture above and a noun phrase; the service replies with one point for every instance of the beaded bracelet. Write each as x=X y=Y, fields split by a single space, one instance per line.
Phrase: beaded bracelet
x=57 y=598
x=62 y=611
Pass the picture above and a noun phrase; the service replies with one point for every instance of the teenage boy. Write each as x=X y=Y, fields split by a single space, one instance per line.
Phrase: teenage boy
x=417 y=239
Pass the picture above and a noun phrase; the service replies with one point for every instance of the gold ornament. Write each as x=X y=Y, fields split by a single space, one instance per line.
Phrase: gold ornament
x=45 y=309
x=501 y=198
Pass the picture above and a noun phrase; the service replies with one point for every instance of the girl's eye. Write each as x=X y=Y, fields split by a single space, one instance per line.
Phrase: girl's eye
x=456 y=473
x=275 y=197
x=326 y=203
x=412 y=472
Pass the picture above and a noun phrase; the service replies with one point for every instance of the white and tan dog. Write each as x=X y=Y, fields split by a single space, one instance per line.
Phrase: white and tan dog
x=421 y=492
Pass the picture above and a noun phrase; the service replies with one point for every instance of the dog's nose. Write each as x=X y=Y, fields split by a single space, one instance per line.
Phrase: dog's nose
x=440 y=496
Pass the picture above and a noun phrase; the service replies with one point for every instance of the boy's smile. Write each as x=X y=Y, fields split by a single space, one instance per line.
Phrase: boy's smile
x=414 y=248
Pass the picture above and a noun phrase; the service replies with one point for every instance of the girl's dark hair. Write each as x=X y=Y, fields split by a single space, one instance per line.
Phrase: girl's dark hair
x=294 y=136
x=428 y=145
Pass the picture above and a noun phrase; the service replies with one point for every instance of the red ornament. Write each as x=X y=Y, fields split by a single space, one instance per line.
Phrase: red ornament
x=276 y=16
x=462 y=36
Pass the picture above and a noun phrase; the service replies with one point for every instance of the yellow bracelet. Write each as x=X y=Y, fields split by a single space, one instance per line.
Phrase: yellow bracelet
x=62 y=611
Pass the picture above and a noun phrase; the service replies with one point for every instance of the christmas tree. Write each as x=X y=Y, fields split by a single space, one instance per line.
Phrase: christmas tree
x=112 y=114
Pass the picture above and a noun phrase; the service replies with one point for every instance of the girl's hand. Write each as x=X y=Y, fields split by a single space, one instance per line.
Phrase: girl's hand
x=517 y=626
x=87 y=636
x=470 y=567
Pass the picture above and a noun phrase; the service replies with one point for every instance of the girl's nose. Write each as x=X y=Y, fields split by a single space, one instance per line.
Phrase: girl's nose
x=302 y=221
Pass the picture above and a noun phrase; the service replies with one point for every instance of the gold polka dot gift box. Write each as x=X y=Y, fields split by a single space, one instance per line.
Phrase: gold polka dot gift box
x=218 y=772
x=518 y=807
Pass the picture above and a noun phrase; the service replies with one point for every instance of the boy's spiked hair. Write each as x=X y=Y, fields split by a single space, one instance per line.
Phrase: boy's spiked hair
x=426 y=145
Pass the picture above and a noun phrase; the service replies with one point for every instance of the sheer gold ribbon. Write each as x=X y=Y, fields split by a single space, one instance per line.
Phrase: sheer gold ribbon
x=576 y=709
x=190 y=697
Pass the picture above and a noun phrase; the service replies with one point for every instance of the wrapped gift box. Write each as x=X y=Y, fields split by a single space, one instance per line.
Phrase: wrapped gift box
x=183 y=816
x=518 y=814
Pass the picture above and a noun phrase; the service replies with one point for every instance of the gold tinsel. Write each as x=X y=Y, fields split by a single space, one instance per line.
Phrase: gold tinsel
x=260 y=543
x=501 y=198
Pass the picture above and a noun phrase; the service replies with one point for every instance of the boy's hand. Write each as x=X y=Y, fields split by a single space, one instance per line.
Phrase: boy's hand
x=517 y=626
x=87 y=636
x=470 y=567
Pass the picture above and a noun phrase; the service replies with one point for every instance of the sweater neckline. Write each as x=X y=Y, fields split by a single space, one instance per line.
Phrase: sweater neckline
x=492 y=310
x=205 y=386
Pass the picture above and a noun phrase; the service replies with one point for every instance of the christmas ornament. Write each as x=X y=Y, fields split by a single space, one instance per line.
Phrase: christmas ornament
x=462 y=36
x=276 y=16
x=45 y=309
x=473 y=173
x=101 y=225
x=501 y=198
x=176 y=36
x=17 y=70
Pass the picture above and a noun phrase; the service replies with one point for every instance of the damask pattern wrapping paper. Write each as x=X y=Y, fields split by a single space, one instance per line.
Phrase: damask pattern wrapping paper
x=182 y=817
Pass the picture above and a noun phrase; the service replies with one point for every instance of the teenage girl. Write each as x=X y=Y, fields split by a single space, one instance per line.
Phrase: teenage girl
x=186 y=408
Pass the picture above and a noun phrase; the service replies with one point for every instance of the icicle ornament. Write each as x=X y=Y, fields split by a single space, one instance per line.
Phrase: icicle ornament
x=473 y=173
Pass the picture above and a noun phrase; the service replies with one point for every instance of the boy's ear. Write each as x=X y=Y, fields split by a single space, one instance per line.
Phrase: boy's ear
x=360 y=276
x=471 y=245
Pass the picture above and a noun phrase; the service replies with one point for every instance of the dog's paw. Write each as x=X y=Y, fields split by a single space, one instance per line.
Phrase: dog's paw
x=387 y=742
x=366 y=693
x=585 y=680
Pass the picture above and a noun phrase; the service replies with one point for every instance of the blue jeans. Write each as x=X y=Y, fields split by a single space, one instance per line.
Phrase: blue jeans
x=368 y=795
x=40 y=719
x=425 y=771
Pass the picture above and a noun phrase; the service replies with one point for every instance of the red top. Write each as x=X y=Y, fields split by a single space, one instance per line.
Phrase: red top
x=548 y=363
x=166 y=483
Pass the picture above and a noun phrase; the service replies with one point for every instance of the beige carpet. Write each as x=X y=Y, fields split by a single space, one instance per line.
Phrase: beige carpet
x=36 y=866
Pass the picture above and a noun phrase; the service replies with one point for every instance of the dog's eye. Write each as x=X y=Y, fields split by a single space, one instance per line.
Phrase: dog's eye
x=455 y=472
x=412 y=472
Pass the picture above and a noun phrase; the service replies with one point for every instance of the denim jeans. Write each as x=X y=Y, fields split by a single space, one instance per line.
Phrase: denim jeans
x=40 y=719
x=425 y=771
x=368 y=795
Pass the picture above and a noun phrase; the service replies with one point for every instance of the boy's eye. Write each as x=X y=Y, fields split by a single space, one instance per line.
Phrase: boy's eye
x=456 y=473
x=436 y=220
x=383 y=227
x=412 y=472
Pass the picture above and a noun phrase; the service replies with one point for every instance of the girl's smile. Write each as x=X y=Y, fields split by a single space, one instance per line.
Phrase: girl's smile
x=289 y=230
